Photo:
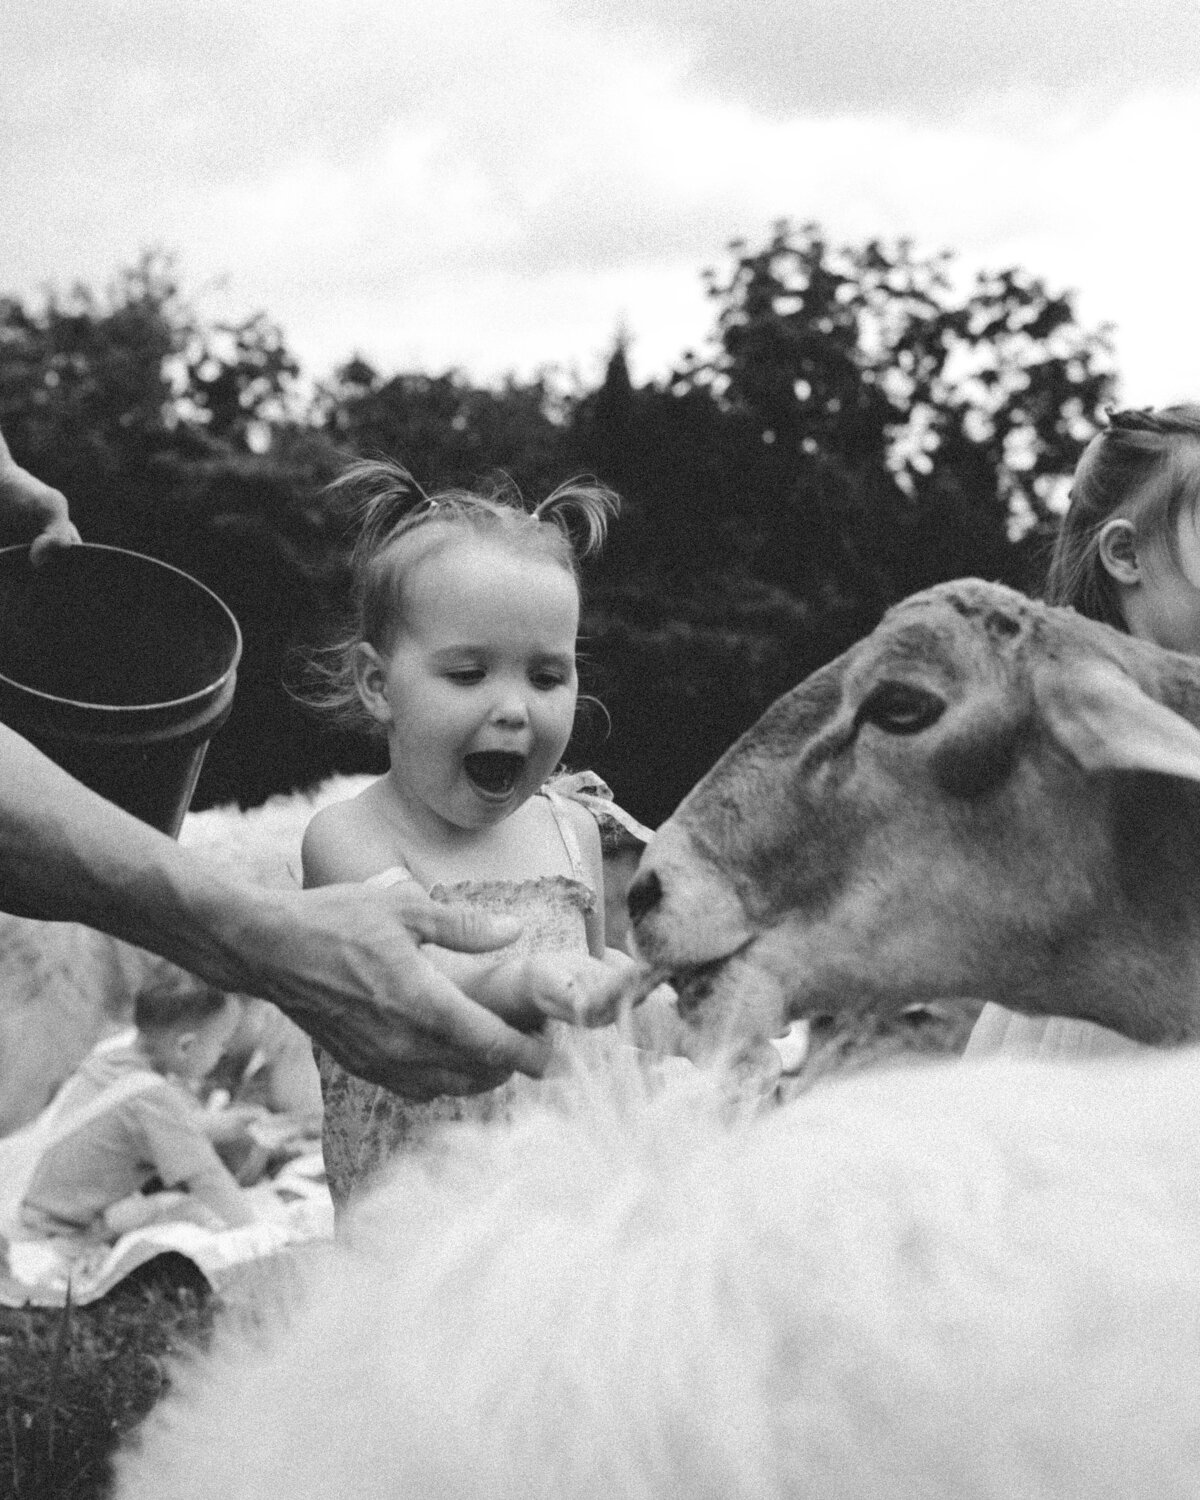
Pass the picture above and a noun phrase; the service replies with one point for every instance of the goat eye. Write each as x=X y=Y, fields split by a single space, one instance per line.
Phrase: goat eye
x=900 y=708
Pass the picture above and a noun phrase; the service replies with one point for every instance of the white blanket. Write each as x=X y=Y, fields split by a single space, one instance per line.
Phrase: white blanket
x=294 y=1208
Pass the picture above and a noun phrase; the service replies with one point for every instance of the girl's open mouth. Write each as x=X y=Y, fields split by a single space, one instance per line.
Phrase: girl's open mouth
x=494 y=772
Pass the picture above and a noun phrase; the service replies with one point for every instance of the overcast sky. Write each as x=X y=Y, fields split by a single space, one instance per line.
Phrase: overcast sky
x=499 y=186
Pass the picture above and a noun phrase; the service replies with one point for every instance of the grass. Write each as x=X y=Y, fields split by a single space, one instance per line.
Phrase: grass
x=76 y=1381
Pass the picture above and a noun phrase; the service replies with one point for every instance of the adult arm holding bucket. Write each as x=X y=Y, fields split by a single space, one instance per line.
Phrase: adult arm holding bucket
x=342 y=962
x=344 y=965
x=35 y=509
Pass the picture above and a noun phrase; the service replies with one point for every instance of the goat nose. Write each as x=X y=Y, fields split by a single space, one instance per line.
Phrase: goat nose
x=644 y=895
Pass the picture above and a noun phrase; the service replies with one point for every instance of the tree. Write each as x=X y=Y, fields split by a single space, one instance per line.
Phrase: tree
x=86 y=393
x=146 y=417
x=888 y=408
x=101 y=393
x=445 y=429
x=865 y=422
x=240 y=379
x=671 y=454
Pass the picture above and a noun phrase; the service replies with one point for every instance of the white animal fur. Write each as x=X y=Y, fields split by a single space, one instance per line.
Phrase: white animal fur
x=62 y=986
x=958 y=1282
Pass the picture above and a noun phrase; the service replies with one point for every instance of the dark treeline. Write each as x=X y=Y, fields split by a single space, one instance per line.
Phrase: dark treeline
x=865 y=422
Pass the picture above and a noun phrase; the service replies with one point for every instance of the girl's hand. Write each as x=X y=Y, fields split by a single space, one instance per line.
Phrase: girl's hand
x=582 y=990
x=529 y=989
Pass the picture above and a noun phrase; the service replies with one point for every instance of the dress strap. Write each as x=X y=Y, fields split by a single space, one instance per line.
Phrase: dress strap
x=618 y=829
x=566 y=831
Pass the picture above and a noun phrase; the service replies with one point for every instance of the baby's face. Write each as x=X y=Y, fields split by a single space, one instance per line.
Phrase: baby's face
x=208 y=1040
x=478 y=692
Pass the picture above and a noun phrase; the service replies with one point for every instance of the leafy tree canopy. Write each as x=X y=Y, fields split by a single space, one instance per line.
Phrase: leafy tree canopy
x=864 y=421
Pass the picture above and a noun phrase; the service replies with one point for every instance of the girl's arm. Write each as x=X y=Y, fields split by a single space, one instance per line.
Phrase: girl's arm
x=172 y=1138
x=616 y=960
x=217 y=1188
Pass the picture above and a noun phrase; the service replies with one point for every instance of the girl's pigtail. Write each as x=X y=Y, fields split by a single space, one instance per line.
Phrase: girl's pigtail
x=380 y=494
x=581 y=508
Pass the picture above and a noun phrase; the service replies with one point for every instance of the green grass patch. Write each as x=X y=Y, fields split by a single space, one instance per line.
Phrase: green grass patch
x=76 y=1381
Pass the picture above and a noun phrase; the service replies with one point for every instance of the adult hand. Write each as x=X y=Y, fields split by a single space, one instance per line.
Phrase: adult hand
x=33 y=509
x=344 y=963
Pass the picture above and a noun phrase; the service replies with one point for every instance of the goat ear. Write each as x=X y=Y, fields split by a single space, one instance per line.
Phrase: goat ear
x=1103 y=718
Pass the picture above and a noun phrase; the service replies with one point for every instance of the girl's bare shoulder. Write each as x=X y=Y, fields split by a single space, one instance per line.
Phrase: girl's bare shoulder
x=349 y=840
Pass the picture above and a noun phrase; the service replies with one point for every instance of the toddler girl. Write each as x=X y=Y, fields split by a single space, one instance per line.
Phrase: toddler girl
x=1128 y=553
x=462 y=653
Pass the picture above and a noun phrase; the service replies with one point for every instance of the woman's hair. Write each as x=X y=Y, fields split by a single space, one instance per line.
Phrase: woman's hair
x=1145 y=466
x=399 y=525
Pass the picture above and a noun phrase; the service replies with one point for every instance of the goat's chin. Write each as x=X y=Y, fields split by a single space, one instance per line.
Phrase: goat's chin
x=732 y=1003
x=754 y=994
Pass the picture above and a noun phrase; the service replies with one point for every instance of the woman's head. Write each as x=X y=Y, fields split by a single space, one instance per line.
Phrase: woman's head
x=1128 y=550
x=462 y=650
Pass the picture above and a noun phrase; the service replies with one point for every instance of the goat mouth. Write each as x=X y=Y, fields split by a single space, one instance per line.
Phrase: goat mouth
x=697 y=984
x=694 y=985
x=733 y=1001
x=494 y=773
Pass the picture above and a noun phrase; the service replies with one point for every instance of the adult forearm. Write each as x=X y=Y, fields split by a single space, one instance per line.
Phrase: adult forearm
x=342 y=962
x=68 y=855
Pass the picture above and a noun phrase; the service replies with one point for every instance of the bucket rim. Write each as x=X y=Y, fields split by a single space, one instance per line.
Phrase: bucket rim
x=216 y=688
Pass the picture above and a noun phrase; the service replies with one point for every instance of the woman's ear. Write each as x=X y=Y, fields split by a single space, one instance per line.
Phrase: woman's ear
x=370 y=678
x=1117 y=547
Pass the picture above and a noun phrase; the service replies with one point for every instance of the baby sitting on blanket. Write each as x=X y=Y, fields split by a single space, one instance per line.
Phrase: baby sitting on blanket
x=125 y=1117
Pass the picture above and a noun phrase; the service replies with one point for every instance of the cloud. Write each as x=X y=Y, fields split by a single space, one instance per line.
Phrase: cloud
x=923 y=59
x=498 y=186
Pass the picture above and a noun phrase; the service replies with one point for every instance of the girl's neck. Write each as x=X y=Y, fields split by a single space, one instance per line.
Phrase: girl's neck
x=523 y=845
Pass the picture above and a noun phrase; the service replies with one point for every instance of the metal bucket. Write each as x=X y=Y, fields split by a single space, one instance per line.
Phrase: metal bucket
x=120 y=668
